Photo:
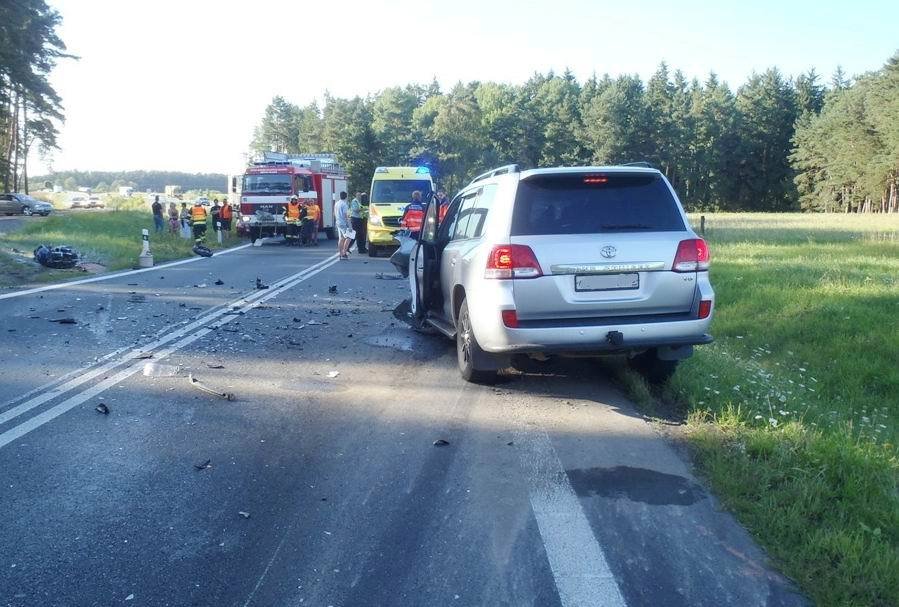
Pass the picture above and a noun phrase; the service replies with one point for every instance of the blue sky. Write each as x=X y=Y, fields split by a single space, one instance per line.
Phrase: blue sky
x=180 y=84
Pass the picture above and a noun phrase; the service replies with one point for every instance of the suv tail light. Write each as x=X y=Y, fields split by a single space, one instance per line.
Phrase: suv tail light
x=692 y=256
x=705 y=308
x=512 y=261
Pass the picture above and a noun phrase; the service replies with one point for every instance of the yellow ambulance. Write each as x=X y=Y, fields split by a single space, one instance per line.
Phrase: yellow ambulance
x=391 y=191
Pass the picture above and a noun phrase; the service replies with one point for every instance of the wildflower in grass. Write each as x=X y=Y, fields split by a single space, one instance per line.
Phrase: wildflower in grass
x=737 y=388
x=783 y=413
x=773 y=422
x=759 y=417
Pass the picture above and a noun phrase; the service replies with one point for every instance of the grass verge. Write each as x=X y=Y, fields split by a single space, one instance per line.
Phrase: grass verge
x=792 y=412
x=111 y=239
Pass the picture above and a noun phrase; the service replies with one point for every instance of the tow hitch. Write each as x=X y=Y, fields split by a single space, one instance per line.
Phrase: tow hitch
x=615 y=338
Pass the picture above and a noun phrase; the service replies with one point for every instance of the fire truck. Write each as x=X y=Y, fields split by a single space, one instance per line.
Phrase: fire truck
x=267 y=185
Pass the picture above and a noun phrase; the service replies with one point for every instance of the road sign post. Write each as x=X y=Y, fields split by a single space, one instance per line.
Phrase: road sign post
x=218 y=231
x=145 y=260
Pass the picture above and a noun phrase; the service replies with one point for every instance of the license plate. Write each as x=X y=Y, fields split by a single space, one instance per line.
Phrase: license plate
x=607 y=282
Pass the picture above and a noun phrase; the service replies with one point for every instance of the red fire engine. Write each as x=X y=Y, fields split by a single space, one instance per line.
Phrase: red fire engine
x=268 y=184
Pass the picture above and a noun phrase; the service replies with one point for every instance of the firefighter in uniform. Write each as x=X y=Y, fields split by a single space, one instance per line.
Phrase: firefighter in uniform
x=198 y=222
x=225 y=214
x=313 y=213
x=292 y=218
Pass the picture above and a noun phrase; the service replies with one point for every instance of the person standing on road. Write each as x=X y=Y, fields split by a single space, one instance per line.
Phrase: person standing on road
x=216 y=212
x=292 y=219
x=157 y=215
x=357 y=221
x=226 y=215
x=342 y=225
x=313 y=213
x=198 y=222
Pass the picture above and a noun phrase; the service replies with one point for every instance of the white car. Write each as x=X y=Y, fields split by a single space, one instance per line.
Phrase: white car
x=78 y=202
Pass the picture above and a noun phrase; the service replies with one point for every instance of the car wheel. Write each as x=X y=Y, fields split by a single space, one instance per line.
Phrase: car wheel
x=254 y=234
x=373 y=250
x=469 y=352
x=27 y=211
x=650 y=366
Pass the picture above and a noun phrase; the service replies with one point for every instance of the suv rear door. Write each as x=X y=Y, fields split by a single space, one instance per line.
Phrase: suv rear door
x=605 y=242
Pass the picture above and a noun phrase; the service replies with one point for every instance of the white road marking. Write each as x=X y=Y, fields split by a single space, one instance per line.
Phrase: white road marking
x=248 y=302
x=579 y=567
x=63 y=285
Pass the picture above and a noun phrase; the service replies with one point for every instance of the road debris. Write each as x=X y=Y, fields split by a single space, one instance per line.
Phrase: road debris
x=130 y=597
x=219 y=282
x=332 y=289
x=102 y=408
x=215 y=365
x=441 y=442
x=58 y=258
x=259 y=284
x=143 y=356
x=202 y=250
x=136 y=298
x=204 y=388
x=63 y=321
x=159 y=370
x=333 y=374
x=315 y=322
x=383 y=276
x=204 y=465
x=244 y=514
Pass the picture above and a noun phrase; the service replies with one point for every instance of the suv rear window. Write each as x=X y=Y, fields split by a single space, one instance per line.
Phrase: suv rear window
x=585 y=203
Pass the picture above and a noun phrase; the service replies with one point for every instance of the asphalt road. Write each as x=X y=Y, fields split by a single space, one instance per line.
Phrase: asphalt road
x=320 y=483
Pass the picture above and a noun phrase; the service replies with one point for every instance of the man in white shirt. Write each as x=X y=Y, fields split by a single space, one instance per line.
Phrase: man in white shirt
x=342 y=223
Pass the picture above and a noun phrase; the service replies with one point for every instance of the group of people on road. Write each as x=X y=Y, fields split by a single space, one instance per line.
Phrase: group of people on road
x=350 y=221
x=302 y=219
x=192 y=220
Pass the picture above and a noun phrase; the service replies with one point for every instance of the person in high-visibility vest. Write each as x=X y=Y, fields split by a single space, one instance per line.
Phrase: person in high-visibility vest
x=225 y=215
x=313 y=213
x=198 y=221
x=292 y=218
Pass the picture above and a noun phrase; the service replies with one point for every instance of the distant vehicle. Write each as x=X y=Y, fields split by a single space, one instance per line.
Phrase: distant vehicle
x=126 y=191
x=78 y=201
x=12 y=204
x=567 y=261
x=391 y=193
x=173 y=191
x=95 y=202
x=203 y=200
x=268 y=185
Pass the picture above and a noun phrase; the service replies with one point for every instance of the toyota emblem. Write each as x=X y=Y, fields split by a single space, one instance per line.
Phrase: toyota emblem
x=608 y=251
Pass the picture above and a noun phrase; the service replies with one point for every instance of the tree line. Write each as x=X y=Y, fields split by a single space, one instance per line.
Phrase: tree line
x=771 y=145
x=30 y=108
x=154 y=181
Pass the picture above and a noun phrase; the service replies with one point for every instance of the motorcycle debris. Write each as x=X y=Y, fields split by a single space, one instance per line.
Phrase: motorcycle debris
x=244 y=514
x=102 y=408
x=204 y=465
x=215 y=365
x=203 y=388
x=219 y=282
x=143 y=356
x=260 y=285
x=332 y=289
x=63 y=321
x=441 y=442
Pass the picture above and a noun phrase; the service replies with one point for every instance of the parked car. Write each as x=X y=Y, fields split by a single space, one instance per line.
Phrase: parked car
x=94 y=202
x=78 y=202
x=562 y=261
x=203 y=201
x=12 y=204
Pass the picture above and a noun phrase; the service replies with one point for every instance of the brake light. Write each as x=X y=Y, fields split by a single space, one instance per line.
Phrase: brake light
x=510 y=318
x=512 y=261
x=692 y=256
x=705 y=308
x=596 y=179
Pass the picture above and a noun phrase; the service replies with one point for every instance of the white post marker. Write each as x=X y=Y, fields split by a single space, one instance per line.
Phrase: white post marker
x=145 y=260
x=218 y=230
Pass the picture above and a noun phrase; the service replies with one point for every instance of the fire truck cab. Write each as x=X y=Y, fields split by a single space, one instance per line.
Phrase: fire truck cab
x=268 y=184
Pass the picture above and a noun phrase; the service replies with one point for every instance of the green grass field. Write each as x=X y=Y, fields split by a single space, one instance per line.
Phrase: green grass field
x=111 y=239
x=793 y=410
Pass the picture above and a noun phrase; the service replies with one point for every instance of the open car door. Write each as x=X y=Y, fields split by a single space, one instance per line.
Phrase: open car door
x=424 y=267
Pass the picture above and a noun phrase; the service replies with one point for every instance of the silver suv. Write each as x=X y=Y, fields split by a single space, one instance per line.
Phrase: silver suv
x=581 y=260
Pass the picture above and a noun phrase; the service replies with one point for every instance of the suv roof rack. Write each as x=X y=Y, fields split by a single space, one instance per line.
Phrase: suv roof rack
x=638 y=163
x=507 y=168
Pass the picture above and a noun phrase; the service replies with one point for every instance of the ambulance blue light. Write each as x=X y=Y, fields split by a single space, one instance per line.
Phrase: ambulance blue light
x=423 y=170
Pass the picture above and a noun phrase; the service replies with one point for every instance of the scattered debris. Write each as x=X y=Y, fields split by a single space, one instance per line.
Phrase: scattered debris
x=159 y=370
x=129 y=597
x=136 y=298
x=204 y=465
x=332 y=289
x=383 y=276
x=315 y=322
x=441 y=443
x=219 y=282
x=259 y=284
x=102 y=408
x=333 y=374
x=215 y=365
x=133 y=284
x=202 y=285
x=143 y=356
x=182 y=305
x=203 y=388
x=244 y=514
x=510 y=443
x=295 y=319
x=202 y=250
x=100 y=308
x=64 y=321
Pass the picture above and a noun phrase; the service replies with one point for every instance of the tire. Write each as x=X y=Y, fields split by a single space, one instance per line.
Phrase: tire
x=331 y=233
x=373 y=250
x=27 y=211
x=651 y=367
x=469 y=352
x=254 y=234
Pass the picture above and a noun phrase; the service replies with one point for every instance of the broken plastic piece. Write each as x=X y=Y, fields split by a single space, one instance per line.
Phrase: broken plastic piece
x=204 y=388
x=102 y=408
x=204 y=465
x=159 y=370
x=259 y=284
x=63 y=321
x=441 y=442
x=244 y=514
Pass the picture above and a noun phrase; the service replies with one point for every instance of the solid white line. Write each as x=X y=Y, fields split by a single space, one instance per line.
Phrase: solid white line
x=73 y=401
x=580 y=569
x=72 y=283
